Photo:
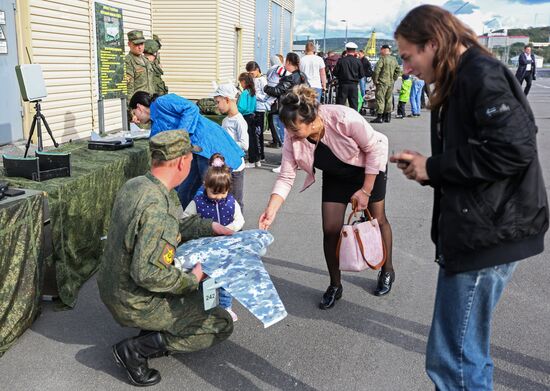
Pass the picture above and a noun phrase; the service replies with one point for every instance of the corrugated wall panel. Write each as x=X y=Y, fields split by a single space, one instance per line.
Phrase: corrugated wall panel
x=248 y=12
x=187 y=29
x=235 y=13
x=230 y=11
x=288 y=5
x=63 y=42
x=60 y=41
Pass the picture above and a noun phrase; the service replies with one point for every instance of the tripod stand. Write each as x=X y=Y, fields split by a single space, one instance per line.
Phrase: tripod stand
x=37 y=123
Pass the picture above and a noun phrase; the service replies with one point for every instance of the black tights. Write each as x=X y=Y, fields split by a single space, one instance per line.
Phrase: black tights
x=333 y=214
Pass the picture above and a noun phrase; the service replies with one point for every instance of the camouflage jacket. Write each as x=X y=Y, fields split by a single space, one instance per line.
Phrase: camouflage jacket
x=158 y=83
x=139 y=74
x=136 y=273
x=387 y=71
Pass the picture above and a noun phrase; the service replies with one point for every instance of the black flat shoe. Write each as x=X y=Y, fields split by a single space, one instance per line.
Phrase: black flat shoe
x=385 y=281
x=332 y=294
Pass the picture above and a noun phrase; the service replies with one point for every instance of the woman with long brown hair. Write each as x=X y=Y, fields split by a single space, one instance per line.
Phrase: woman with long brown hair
x=490 y=205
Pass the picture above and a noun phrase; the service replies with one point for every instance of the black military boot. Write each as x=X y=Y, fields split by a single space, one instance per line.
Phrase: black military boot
x=158 y=354
x=132 y=354
x=387 y=117
x=377 y=120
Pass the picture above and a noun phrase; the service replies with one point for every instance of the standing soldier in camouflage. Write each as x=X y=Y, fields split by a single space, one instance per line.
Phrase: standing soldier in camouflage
x=139 y=73
x=156 y=38
x=151 y=48
x=385 y=74
x=137 y=279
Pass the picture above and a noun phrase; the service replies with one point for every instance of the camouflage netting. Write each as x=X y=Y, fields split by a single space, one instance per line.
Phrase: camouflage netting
x=80 y=208
x=20 y=267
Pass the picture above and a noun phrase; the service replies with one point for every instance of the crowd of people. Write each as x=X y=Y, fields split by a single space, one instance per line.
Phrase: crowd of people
x=490 y=205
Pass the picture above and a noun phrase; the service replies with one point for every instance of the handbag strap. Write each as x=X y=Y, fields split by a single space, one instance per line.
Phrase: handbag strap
x=353 y=213
x=360 y=243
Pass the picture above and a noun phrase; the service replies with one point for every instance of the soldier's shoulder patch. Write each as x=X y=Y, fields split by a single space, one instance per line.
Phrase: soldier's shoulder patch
x=167 y=256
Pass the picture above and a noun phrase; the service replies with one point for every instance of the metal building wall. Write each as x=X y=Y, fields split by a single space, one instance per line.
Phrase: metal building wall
x=61 y=38
x=189 y=52
x=232 y=59
x=287 y=5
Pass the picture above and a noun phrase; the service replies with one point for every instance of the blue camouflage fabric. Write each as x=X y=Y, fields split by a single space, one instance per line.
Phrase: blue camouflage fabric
x=234 y=262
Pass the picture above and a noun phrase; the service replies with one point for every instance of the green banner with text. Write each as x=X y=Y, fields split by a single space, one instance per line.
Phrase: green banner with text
x=110 y=51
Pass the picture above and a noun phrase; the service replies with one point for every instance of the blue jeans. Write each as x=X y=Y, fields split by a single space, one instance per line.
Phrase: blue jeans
x=363 y=86
x=319 y=92
x=225 y=299
x=280 y=127
x=416 y=94
x=458 y=352
x=189 y=187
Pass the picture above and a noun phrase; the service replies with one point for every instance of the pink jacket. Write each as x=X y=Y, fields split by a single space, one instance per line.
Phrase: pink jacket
x=348 y=135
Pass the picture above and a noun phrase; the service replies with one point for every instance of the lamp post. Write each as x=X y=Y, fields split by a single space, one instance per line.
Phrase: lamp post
x=325 y=31
x=346 y=22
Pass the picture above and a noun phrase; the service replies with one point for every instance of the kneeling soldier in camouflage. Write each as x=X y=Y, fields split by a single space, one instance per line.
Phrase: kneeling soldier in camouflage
x=137 y=280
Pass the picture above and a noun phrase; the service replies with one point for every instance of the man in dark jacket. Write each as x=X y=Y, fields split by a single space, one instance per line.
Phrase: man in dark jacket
x=526 y=68
x=348 y=71
x=490 y=204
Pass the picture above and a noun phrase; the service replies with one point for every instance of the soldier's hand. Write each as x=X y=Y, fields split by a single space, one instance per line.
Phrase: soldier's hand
x=197 y=271
x=221 y=230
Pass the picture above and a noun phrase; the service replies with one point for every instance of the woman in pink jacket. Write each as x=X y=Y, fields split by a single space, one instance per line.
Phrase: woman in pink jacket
x=353 y=158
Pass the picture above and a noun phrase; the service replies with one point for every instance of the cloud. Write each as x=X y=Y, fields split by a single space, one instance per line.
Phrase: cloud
x=363 y=16
x=460 y=7
x=530 y=1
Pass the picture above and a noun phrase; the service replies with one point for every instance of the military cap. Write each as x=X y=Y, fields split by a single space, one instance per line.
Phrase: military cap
x=157 y=38
x=136 y=37
x=171 y=144
x=386 y=47
x=151 y=47
x=351 y=45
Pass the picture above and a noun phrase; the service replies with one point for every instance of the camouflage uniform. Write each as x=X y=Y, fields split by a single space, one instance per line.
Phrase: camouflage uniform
x=152 y=47
x=384 y=76
x=137 y=279
x=139 y=72
x=156 y=38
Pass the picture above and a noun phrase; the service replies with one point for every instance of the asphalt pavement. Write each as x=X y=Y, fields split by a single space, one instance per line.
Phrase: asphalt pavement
x=363 y=343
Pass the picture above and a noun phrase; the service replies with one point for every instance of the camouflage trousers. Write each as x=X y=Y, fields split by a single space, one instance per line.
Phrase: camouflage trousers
x=186 y=326
x=383 y=96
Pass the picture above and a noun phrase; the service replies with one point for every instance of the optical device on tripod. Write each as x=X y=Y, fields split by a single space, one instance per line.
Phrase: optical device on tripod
x=33 y=90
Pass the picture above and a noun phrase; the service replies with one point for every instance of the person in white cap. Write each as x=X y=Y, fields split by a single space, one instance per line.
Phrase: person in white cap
x=348 y=71
x=234 y=123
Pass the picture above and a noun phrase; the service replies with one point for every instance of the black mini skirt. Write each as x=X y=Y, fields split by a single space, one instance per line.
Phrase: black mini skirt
x=342 y=180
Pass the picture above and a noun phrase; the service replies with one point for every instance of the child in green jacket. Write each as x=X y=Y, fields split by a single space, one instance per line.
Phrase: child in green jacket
x=404 y=95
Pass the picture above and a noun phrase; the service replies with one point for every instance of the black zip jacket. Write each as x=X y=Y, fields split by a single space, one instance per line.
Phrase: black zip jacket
x=286 y=83
x=349 y=70
x=490 y=203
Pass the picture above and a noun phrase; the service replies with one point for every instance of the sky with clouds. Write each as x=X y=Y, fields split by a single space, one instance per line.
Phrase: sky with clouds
x=384 y=15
